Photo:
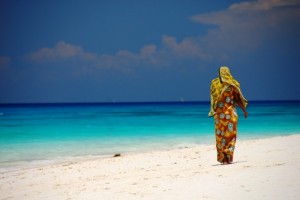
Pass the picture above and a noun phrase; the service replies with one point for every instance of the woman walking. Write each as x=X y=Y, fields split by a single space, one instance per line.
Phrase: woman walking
x=225 y=94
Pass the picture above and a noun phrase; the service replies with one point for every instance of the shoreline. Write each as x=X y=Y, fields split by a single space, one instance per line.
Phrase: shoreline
x=263 y=169
x=71 y=159
x=159 y=148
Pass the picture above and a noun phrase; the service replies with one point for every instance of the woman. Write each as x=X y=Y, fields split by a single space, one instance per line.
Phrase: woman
x=225 y=93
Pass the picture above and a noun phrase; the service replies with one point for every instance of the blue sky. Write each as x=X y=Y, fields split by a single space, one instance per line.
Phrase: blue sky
x=138 y=50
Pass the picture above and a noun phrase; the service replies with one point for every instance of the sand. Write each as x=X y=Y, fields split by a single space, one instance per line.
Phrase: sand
x=262 y=169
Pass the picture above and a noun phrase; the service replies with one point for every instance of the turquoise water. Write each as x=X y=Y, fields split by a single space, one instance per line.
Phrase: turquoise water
x=37 y=133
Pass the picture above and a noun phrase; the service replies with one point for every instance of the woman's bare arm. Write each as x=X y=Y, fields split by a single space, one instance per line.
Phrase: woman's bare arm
x=238 y=101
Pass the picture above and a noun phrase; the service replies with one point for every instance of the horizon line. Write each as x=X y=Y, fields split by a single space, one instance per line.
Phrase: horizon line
x=134 y=102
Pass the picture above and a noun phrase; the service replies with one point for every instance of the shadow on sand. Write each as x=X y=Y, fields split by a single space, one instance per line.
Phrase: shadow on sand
x=233 y=163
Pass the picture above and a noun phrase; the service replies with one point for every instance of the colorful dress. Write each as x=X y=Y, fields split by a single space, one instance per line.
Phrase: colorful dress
x=224 y=91
x=226 y=120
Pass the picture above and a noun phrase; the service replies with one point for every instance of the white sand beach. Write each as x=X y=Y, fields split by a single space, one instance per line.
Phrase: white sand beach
x=262 y=169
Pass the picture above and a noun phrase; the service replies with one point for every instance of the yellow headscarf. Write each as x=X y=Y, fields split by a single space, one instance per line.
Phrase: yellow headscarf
x=219 y=85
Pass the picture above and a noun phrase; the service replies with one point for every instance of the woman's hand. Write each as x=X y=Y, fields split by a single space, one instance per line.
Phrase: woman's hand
x=238 y=101
x=245 y=113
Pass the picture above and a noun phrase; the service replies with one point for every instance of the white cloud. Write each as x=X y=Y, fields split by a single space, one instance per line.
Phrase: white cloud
x=241 y=27
x=122 y=59
x=250 y=15
x=263 y=4
x=151 y=55
x=249 y=25
x=147 y=51
x=187 y=48
x=4 y=62
x=61 y=50
x=148 y=55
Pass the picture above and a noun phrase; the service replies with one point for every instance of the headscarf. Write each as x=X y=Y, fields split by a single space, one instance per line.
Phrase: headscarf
x=219 y=85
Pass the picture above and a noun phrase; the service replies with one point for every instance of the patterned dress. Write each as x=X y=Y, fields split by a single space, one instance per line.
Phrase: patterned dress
x=226 y=120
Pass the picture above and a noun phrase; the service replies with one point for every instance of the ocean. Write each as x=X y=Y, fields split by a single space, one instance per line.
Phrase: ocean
x=33 y=134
